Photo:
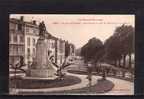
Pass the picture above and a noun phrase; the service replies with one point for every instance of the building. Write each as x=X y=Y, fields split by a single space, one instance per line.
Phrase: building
x=16 y=40
x=23 y=37
x=72 y=49
x=69 y=51
x=60 y=51
x=22 y=40
x=31 y=37
x=51 y=41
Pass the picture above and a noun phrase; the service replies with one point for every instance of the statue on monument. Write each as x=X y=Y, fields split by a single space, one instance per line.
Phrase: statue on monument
x=42 y=67
x=42 y=29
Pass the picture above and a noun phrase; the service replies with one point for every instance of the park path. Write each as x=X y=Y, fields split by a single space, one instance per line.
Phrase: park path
x=84 y=82
x=121 y=87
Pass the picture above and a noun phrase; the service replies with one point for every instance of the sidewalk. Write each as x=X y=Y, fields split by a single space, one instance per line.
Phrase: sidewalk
x=121 y=87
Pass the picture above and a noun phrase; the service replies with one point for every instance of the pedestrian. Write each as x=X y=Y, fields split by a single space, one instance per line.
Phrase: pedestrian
x=89 y=76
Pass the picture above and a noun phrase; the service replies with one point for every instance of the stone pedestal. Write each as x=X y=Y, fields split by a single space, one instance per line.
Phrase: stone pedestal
x=41 y=73
x=42 y=67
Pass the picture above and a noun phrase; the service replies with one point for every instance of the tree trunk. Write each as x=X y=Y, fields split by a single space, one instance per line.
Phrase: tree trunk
x=123 y=73
x=115 y=62
x=119 y=64
x=124 y=60
x=129 y=60
x=95 y=66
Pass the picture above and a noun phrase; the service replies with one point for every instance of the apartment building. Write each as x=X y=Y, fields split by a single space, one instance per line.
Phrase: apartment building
x=31 y=37
x=23 y=37
x=16 y=40
x=60 y=51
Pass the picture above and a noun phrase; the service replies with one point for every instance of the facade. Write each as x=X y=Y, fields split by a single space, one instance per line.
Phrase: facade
x=60 y=51
x=22 y=40
x=51 y=41
x=72 y=50
x=23 y=37
x=16 y=40
x=31 y=37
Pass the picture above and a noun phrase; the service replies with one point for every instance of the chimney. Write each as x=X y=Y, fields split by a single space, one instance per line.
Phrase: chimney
x=34 y=22
x=22 y=18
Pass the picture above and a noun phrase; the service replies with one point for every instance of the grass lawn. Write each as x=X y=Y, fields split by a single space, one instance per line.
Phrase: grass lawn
x=101 y=87
x=34 y=84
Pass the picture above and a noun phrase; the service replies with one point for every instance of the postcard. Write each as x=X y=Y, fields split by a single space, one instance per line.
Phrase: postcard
x=71 y=54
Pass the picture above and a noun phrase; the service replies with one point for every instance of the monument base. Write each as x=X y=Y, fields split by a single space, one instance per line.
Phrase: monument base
x=42 y=73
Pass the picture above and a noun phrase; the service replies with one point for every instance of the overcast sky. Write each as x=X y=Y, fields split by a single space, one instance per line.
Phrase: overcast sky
x=78 y=29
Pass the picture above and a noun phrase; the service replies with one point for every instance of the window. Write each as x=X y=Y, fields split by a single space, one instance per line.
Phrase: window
x=15 y=49
x=15 y=38
x=61 y=59
x=20 y=27
x=28 y=52
x=34 y=52
x=27 y=29
x=35 y=31
x=33 y=42
x=21 y=50
x=21 y=39
x=30 y=30
x=53 y=45
x=61 y=47
x=28 y=41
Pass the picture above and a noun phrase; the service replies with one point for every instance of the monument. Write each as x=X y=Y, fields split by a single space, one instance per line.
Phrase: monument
x=42 y=67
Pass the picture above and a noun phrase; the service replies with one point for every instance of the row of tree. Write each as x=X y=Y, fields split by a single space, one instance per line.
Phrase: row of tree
x=113 y=50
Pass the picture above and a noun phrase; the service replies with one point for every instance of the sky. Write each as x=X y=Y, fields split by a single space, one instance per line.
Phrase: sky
x=79 y=28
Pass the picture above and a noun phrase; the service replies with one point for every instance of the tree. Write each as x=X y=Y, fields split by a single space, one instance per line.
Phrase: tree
x=125 y=33
x=61 y=67
x=113 y=49
x=92 y=50
x=120 y=44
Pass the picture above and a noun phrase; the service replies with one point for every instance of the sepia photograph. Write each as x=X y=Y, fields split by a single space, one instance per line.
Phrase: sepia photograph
x=71 y=54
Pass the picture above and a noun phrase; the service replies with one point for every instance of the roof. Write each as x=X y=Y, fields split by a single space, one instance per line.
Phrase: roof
x=48 y=35
x=17 y=21
x=31 y=24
